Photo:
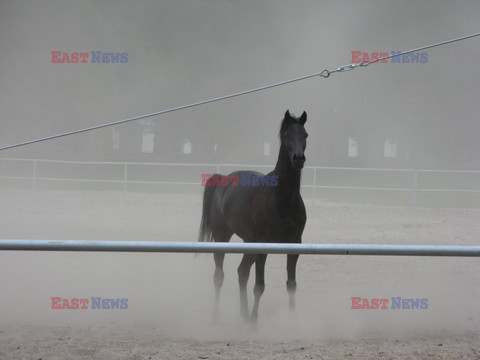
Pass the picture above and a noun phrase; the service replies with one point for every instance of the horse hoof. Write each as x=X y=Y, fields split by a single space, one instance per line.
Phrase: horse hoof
x=216 y=317
x=253 y=323
x=244 y=315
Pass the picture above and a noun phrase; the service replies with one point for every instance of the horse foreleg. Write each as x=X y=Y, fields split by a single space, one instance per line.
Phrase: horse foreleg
x=243 y=274
x=259 y=284
x=291 y=282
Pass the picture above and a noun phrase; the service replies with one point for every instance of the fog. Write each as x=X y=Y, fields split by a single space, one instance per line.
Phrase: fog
x=179 y=53
x=415 y=116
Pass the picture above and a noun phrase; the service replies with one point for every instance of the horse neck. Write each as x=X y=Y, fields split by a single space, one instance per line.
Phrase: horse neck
x=288 y=177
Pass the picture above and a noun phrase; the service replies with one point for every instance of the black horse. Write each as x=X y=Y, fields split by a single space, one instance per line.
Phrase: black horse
x=262 y=214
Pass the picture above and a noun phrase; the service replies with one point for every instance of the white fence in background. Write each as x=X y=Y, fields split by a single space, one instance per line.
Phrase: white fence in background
x=402 y=186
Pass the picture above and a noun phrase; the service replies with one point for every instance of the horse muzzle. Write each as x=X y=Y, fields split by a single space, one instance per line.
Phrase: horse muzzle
x=298 y=160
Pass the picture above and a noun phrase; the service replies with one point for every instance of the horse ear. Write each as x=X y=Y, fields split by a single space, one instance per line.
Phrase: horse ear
x=303 y=118
x=287 y=115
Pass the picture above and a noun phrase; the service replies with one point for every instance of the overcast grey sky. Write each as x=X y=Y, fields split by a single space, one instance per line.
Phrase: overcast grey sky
x=184 y=51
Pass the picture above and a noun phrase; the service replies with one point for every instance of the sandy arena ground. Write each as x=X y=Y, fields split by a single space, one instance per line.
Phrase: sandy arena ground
x=170 y=296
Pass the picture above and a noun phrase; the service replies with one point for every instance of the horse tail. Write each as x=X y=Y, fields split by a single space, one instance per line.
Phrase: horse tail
x=205 y=233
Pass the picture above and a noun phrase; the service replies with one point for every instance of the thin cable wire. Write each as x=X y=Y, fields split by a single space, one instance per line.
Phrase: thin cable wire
x=324 y=73
x=163 y=111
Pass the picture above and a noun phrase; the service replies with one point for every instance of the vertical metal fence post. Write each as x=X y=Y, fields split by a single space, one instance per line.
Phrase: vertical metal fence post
x=125 y=177
x=414 y=188
x=34 y=174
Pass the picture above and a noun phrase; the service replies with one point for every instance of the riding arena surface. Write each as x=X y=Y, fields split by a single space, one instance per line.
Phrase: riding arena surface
x=170 y=296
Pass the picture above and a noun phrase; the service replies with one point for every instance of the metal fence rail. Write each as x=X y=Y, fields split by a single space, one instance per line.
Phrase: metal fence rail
x=242 y=248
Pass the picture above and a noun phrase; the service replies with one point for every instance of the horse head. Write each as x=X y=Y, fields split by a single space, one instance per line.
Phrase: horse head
x=293 y=138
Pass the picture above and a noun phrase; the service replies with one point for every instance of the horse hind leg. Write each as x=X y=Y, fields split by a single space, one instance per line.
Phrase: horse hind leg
x=219 y=275
x=259 y=284
x=243 y=274
x=218 y=282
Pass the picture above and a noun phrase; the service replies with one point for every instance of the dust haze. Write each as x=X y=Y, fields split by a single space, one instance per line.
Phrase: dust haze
x=419 y=116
